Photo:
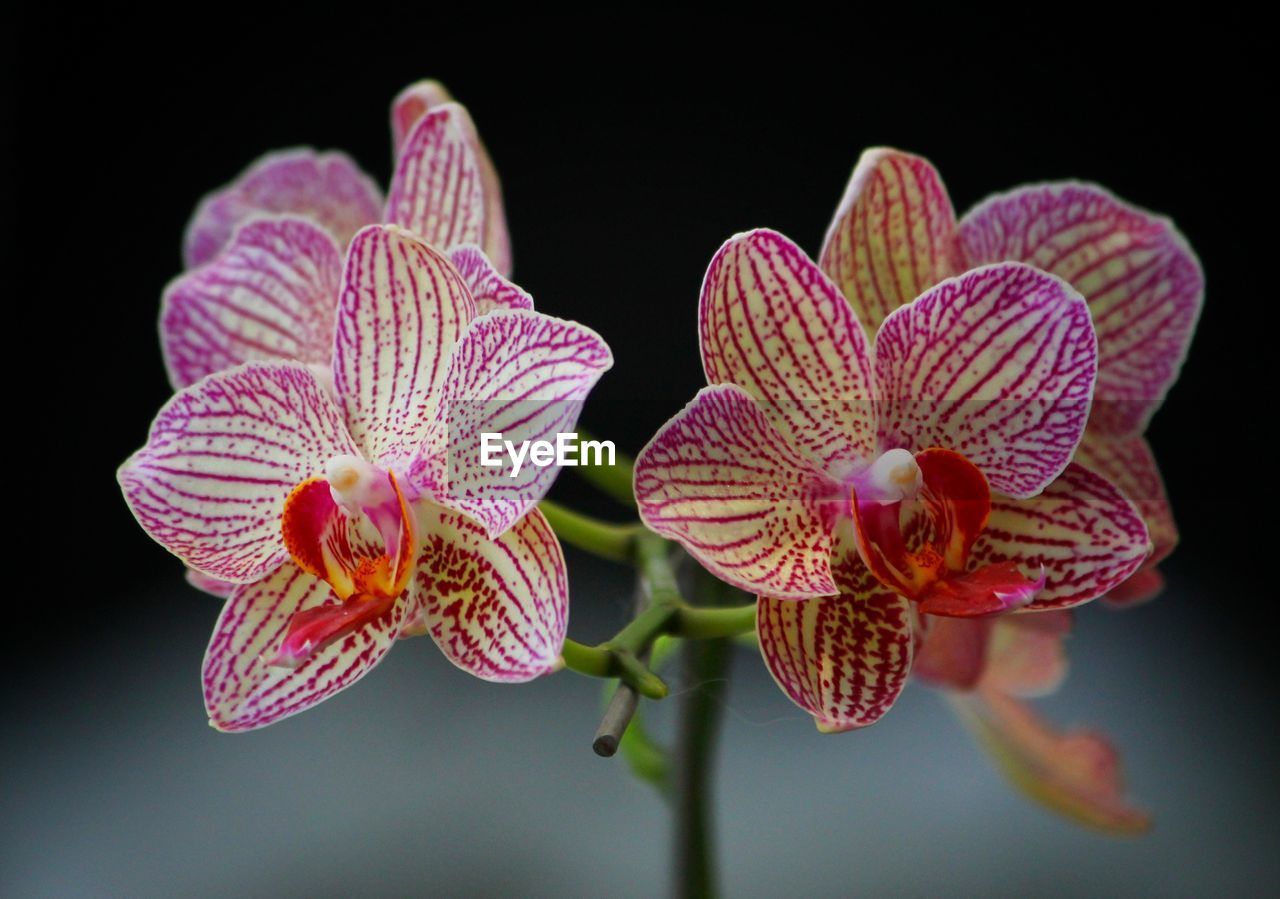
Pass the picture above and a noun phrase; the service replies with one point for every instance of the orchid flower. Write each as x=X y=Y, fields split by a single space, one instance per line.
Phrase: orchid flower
x=1076 y=774
x=895 y=235
x=855 y=486
x=339 y=493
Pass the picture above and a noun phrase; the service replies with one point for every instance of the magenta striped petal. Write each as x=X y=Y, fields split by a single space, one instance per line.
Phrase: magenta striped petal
x=893 y=235
x=488 y=288
x=720 y=480
x=1088 y=537
x=1131 y=466
x=222 y=457
x=998 y=365
x=411 y=104
x=499 y=608
x=403 y=307
x=1143 y=283
x=242 y=691
x=445 y=190
x=326 y=188
x=843 y=659
x=271 y=294
x=518 y=374
x=773 y=324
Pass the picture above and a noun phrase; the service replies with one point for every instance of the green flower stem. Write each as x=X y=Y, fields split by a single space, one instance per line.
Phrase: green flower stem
x=600 y=538
x=701 y=623
x=614 y=480
x=610 y=660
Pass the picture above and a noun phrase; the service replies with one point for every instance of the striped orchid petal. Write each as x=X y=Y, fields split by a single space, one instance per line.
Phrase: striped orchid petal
x=998 y=365
x=1088 y=537
x=403 y=307
x=1145 y=585
x=488 y=288
x=270 y=294
x=523 y=376
x=497 y=608
x=771 y=322
x=720 y=480
x=1143 y=283
x=893 y=235
x=1131 y=466
x=1076 y=774
x=1026 y=656
x=411 y=104
x=222 y=457
x=445 y=190
x=326 y=188
x=844 y=659
x=243 y=690
x=954 y=651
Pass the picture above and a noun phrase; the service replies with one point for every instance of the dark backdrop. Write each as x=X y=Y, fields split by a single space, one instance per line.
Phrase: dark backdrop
x=629 y=150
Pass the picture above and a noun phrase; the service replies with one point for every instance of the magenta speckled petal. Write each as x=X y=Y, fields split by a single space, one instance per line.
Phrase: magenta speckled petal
x=1131 y=466
x=499 y=608
x=771 y=322
x=222 y=457
x=1085 y=533
x=327 y=188
x=844 y=659
x=488 y=288
x=893 y=235
x=444 y=188
x=720 y=480
x=516 y=373
x=403 y=307
x=271 y=294
x=243 y=691
x=998 y=365
x=1143 y=283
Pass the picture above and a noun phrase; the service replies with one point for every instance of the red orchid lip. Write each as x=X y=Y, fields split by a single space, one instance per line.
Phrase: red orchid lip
x=955 y=499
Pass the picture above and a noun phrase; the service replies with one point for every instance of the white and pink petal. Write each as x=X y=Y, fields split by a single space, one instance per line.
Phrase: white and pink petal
x=1082 y=530
x=997 y=364
x=402 y=309
x=844 y=659
x=270 y=294
x=1143 y=283
x=243 y=690
x=1130 y=465
x=721 y=481
x=498 y=609
x=772 y=323
x=488 y=288
x=893 y=235
x=522 y=376
x=327 y=188
x=220 y=460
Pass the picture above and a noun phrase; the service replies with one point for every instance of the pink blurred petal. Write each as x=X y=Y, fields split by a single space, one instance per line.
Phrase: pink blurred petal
x=326 y=188
x=998 y=365
x=771 y=322
x=721 y=481
x=1026 y=656
x=488 y=288
x=211 y=585
x=893 y=235
x=1143 y=283
x=1076 y=774
x=1142 y=587
x=1085 y=534
x=403 y=307
x=843 y=659
x=445 y=189
x=220 y=460
x=516 y=373
x=497 y=608
x=243 y=690
x=270 y=294
x=954 y=653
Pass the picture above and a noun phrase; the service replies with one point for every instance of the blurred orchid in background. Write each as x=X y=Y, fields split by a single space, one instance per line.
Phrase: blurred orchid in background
x=810 y=471
x=328 y=496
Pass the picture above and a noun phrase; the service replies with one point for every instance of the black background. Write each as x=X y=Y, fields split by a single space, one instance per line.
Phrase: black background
x=629 y=149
